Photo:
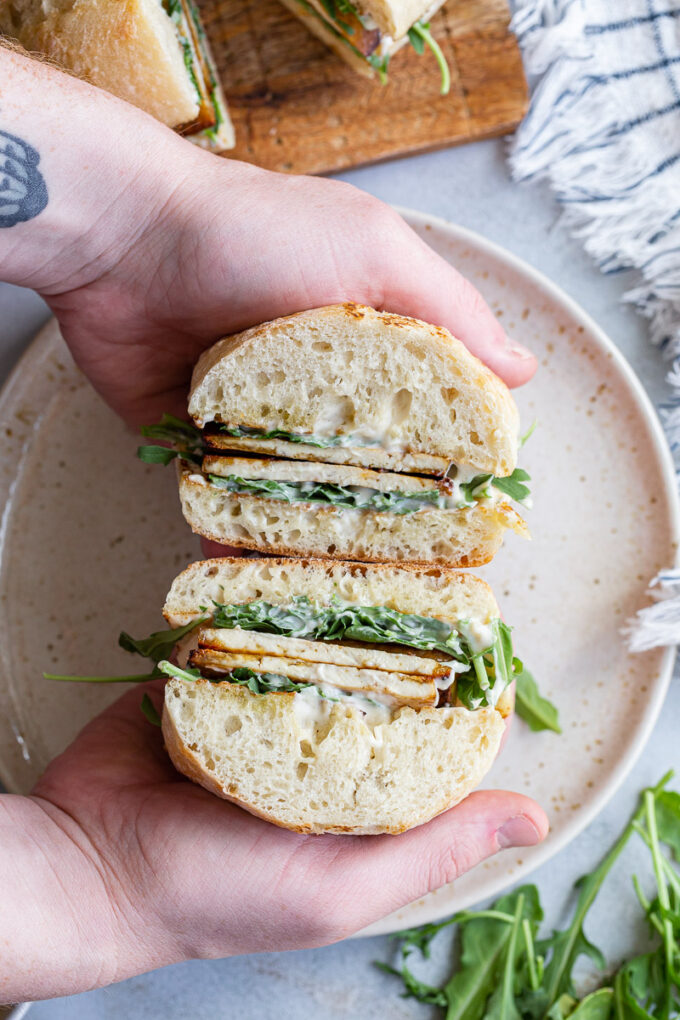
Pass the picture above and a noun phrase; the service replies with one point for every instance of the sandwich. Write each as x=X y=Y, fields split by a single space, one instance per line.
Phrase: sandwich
x=367 y=33
x=348 y=433
x=152 y=53
x=335 y=697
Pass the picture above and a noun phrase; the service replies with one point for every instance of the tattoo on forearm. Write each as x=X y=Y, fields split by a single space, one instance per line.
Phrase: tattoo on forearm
x=23 y=193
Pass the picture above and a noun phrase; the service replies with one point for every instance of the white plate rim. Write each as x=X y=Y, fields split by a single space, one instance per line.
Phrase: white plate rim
x=497 y=884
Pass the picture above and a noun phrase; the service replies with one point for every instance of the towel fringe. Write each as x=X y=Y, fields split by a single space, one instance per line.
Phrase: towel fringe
x=618 y=197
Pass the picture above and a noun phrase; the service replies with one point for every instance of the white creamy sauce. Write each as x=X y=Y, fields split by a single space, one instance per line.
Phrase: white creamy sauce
x=479 y=636
x=443 y=683
x=313 y=705
x=198 y=479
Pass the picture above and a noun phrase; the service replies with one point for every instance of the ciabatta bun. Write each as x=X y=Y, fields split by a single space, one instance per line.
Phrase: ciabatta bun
x=338 y=775
x=350 y=369
x=127 y=47
x=314 y=765
x=437 y=592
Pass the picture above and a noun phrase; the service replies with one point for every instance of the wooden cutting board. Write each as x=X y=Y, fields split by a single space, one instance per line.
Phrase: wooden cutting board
x=298 y=108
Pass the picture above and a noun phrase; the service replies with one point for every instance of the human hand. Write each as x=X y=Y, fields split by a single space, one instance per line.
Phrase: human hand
x=236 y=246
x=149 y=869
x=148 y=249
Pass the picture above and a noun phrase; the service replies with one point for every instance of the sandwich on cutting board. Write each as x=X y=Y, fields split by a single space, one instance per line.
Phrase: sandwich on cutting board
x=336 y=697
x=367 y=33
x=152 y=53
x=349 y=433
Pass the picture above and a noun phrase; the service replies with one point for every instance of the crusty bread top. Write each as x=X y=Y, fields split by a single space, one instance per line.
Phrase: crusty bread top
x=128 y=47
x=350 y=369
x=424 y=591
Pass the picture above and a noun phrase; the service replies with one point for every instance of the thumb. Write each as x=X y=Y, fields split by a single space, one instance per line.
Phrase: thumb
x=416 y=281
x=400 y=869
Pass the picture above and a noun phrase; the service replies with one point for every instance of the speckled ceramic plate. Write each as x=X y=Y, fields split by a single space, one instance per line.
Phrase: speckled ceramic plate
x=91 y=539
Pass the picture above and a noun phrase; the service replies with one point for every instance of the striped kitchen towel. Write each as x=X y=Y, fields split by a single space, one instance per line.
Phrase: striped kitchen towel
x=604 y=128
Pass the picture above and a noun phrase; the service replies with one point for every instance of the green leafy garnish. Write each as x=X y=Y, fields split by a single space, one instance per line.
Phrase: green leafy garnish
x=379 y=64
x=505 y=971
x=530 y=705
x=170 y=669
x=155 y=647
x=528 y=434
x=258 y=683
x=419 y=36
x=336 y=495
x=189 y=445
x=308 y=439
x=489 y=671
x=149 y=710
x=133 y=678
x=480 y=486
x=158 y=646
x=185 y=437
x=513 y=486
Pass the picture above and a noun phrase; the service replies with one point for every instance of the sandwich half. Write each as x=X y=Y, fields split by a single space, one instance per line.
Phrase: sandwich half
x=152 y=53
x=367 y=33
x=349 y=433
x=336 y=697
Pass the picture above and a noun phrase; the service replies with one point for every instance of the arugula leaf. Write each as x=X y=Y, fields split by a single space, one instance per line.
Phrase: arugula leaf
x=530 y=705
x=566 y=946
x=513 y=486
x=484 y=944
x=336 y=495
x=417 y=41
x=185 y=437
x=159 y=644
x=134 y=678
x=596 y=1006
x=414 y=987
x=564 y=1007
x=308 y=439
x=380 y=64
x=149 y=710
x=156 y=454
x=668 y=820
x=502 y=1005
x=170 y=669
x=489 y=672
x=528 y=434
x=421 y=32
x=501 y=976
x=258 y=683
x=154 y=647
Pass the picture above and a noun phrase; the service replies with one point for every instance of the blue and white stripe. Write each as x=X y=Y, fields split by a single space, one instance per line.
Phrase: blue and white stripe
x=604 y=129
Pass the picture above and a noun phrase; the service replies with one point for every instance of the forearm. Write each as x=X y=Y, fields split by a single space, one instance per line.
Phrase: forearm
x=82 y=174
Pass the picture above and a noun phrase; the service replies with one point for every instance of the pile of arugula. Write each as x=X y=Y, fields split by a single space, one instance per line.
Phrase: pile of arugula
x=506 y=972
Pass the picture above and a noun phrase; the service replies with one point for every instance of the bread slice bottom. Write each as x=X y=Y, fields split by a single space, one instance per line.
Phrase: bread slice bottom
x=331 y=772
x=458 y=538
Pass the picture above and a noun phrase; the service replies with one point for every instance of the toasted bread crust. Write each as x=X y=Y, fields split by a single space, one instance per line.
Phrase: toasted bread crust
x=349 y=367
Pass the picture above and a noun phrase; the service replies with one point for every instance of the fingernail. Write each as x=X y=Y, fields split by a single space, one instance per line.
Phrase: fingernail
x=519 y=831
x=517 y=350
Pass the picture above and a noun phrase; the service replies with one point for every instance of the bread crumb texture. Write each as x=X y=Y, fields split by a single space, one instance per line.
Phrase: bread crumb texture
x=348 y=368
x=458 y=538
x=434 y=591
x=330 y=774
